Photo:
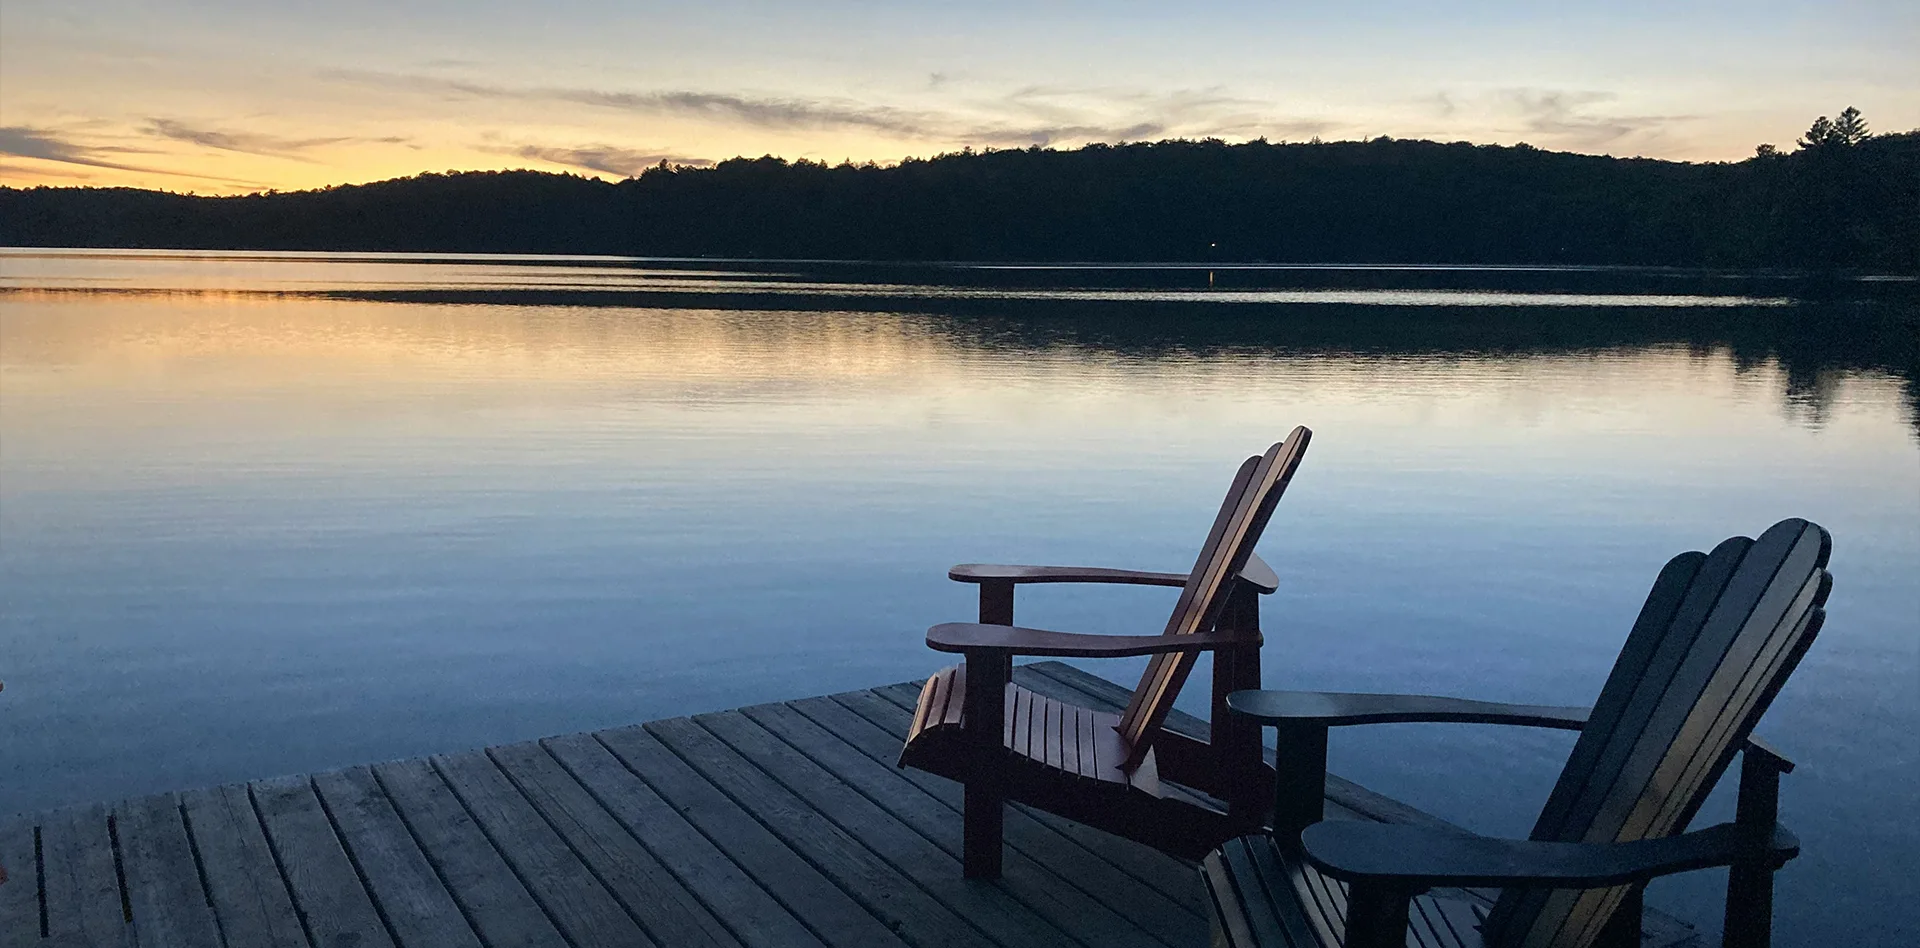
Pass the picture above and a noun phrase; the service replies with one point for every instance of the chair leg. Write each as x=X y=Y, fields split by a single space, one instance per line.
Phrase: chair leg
x=1749 y=919
x=1377 y=915
x=1300 y=780
x=985 y=815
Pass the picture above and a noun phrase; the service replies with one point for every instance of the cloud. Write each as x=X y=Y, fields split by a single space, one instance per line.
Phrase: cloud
x=1441 y=102
x=23 y=141
x=761 y=112
x=765 y=112
x=252 y=143
x=1028 y=116
x=1046 y=135
x=1565 y=117
x=24 y=171
x=626 y=162
x=1068 y=115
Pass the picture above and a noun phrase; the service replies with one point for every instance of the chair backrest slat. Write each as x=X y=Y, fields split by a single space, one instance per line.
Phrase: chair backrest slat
x=1717 y=636
x=1244 y=513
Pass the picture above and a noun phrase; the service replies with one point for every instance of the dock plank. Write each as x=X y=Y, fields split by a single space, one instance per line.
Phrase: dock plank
x=328 y=894
x=879 y=887
x=899 y=823
x=577 y=902
x=20 y=894
x=754 y=916
x=1062 y=859
x=492 y=898
x=405 y=890
x=82 y=887
x=169 y=907
x=828 y=910
x=250 y=899
x=785 y=824
x=650 y=893
x=840 y=769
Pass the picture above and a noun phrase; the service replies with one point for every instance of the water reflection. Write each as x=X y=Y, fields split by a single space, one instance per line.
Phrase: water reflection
x=1808 y=354
x=246 y=532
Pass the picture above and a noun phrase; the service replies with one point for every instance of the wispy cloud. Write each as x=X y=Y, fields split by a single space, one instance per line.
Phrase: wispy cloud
x=611 y=159
x=1046 y=115
x=1572 y=119
x=24 y=171
x=26 y=142
x=252 y=143
x=23 y=141
x=1028 y=116
x=764 y=112
x=1442 y=103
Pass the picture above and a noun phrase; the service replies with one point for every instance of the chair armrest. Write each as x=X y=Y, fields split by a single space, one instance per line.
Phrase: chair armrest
x=1256 y=572
x=1026 y=575
x=1259 y=574
x=1755 y=747
x=1414 y=857
x=1343 y=709
x=1014 y=640
x=1340 y=709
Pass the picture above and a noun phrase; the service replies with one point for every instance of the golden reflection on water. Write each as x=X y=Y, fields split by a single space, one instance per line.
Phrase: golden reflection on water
x=189 y=346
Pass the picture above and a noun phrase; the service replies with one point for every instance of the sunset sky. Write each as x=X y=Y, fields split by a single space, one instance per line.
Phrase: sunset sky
x=221 y=97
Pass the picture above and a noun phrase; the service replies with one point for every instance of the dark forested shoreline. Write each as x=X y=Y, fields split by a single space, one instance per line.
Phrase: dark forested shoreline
x=1850 y=205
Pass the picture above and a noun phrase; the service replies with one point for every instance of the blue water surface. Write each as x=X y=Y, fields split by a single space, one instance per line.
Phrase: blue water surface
x=264 y=514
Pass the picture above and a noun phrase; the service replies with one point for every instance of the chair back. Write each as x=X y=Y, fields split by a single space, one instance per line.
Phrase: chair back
x=1717 y=637
x=1249 y=503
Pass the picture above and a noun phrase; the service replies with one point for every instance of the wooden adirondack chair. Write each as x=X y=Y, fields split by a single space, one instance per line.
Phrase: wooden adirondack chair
x=1717 y=637
x=1007 y=743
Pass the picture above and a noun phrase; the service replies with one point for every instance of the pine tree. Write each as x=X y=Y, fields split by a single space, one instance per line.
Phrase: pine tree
x=1849 y=130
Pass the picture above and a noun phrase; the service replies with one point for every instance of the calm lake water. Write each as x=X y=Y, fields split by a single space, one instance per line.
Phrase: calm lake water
x=263 y=514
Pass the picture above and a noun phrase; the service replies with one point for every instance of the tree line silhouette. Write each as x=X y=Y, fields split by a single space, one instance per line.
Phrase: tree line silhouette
x=1842 y=199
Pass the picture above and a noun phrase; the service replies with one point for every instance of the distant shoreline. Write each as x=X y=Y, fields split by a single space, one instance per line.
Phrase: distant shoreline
x=1851 y=208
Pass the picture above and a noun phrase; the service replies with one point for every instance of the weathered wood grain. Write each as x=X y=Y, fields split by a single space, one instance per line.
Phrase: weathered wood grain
x=748 y=910
x=578 y=903
x=828 y=910
x=501 y=909
x=409 y=894
x=876 y=885
x=327 y=892
x=994 y=909
x=170 y=908
x=250 y=899
x=1067 y=908
x=20 y=894
x=1152 y=907
x=650 y=893
x=776 y=825
x=82 y=886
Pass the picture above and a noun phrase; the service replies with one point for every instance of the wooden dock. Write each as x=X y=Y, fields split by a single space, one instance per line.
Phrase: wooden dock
x=771 y=826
